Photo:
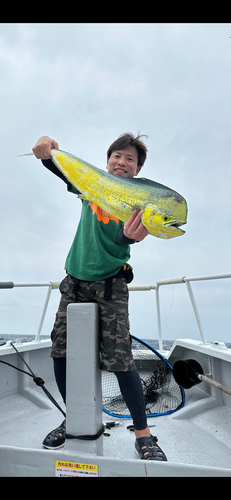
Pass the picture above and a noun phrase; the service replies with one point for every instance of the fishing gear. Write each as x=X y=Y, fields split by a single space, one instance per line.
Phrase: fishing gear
x=162 y=393
x=189 y=372
x=131 y=428
x=38 y=380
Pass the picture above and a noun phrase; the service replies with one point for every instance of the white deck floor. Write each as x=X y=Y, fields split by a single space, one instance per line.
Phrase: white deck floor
x=200 y=440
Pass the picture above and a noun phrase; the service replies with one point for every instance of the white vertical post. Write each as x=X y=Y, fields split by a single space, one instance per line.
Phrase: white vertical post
x=83 y=392
x=196 y=312
x=37 y=337
x=159 y=318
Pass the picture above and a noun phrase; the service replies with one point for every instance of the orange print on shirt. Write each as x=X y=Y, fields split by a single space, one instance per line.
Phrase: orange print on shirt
x=103 y=216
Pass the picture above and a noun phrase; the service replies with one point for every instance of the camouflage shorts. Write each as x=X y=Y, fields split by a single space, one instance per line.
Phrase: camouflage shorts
x=115 y=340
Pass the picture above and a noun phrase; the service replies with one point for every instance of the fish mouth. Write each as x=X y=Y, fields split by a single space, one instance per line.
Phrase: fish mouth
x=176 y=225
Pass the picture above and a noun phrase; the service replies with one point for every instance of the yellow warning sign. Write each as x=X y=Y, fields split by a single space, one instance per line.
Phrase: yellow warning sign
x=75 y=469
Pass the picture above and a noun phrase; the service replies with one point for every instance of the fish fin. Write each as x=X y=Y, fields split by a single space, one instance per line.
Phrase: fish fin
x=26 y=154
x=83 y=197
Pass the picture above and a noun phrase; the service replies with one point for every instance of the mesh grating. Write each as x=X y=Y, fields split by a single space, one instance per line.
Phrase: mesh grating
x=161 y=392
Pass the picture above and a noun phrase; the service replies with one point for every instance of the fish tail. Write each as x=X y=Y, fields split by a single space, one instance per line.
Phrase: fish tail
x=26 y=154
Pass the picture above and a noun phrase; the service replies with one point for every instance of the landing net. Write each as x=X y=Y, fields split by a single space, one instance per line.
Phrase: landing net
x=161 y=392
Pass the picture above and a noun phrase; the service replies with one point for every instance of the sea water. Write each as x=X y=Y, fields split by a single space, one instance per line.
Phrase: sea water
x=167 y=344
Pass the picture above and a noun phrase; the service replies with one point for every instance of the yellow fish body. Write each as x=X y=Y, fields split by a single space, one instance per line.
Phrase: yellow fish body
x=164 y=209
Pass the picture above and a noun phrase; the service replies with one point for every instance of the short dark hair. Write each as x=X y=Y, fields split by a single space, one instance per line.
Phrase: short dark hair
x=128 y=139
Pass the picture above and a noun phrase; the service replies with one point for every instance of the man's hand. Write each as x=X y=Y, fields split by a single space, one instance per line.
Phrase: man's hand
x=42 y=148
x=133 y=228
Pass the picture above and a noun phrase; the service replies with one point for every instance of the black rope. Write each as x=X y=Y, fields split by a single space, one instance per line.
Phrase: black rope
x=16 y=368
x=87 y=437
x=40 y=382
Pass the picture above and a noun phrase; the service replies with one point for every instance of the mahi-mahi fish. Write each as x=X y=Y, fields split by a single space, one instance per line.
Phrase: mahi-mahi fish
x=164 y=209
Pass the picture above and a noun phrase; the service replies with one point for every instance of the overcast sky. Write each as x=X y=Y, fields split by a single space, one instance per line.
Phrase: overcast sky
x=84 y=85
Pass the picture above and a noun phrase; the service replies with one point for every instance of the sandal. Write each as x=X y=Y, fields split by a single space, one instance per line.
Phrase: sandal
x=56 y=438
x=148 y=449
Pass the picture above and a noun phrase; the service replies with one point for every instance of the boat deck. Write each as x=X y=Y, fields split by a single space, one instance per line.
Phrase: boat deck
x=196 y=439
x=202 y=440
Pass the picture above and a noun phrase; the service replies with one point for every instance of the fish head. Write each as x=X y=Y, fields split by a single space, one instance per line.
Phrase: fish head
x=165 y=224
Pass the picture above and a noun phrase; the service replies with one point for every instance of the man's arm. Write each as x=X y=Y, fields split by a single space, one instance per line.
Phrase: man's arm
x=42 y=151
x=133 y=229
x=123 y=239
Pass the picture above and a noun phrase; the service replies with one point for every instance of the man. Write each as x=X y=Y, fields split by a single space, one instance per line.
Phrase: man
x=96 y=268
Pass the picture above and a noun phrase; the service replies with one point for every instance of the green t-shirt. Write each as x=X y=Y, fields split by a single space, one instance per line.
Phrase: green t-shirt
x=96 y=253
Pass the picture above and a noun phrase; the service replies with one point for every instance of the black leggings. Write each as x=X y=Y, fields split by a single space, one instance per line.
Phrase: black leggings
x=130 y=386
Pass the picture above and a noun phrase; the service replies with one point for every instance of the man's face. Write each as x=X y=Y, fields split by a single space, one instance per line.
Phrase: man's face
x=124 y=162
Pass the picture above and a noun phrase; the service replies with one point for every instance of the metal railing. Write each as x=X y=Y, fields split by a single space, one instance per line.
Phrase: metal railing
x=51 y=286
x=172 y=281
x=187 y=281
